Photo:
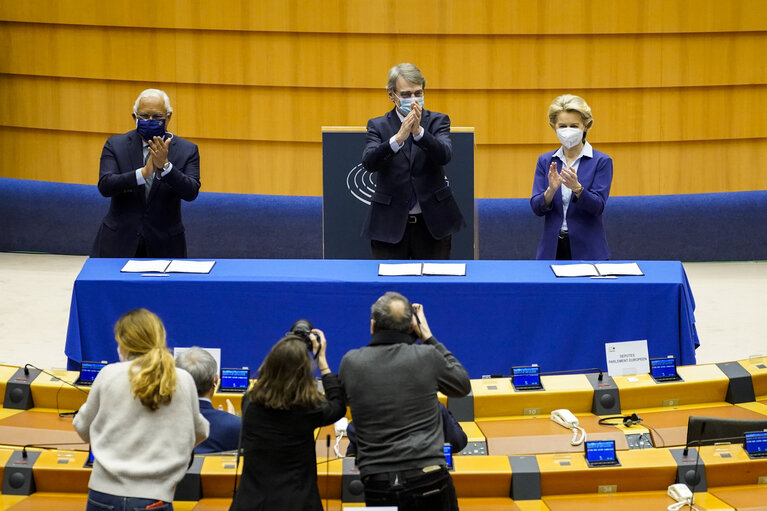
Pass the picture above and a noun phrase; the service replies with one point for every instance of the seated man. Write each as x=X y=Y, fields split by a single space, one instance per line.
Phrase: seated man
x=224 y=426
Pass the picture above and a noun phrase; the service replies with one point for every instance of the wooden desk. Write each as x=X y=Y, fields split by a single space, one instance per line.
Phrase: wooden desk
x=496 y=397
x=629 y=500
x=757 y=367
x=640 y=470
x=39 y=428
x=482 y=476
x=744 y=498
x=535 y=435
x=702 y=384
x=729 y=465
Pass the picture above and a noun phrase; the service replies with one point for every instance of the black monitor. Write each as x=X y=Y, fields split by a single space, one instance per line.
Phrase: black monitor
x=88 y=372
x=711 y=430
x=526 y=378
x=234 y=379
x=601 y=453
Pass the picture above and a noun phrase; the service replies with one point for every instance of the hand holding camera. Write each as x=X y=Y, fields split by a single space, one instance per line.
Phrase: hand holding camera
x=420 y=325
x=315 y=341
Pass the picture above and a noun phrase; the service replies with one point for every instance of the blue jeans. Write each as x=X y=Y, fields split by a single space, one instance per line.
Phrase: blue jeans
x=98 y=501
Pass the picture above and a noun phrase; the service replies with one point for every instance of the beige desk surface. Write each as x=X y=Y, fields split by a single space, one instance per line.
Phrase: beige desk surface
x=744 y=498
x=649 y=500
x=39 y=428
x=535 y=435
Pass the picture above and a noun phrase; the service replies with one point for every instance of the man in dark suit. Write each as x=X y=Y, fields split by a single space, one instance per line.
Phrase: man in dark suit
x=413 y=213
x=224 y=426
x=146 y=172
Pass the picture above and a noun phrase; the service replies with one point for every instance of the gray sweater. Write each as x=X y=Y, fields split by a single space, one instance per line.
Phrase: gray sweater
x=391 y=386
x=139 y=452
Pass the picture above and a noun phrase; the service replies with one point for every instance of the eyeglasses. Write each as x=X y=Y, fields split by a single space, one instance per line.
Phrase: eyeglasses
x=407 y=94
x=154 y=117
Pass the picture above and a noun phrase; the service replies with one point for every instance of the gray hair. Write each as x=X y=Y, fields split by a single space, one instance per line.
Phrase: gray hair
x=407 y=71
x=392 y=312
x=153 y=93
x=201 y=365
x=570 y=103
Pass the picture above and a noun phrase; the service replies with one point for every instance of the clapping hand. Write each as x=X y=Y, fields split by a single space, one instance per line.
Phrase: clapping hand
x=158 y=149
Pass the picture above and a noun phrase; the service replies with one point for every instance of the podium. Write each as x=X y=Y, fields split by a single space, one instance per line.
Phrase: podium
x=347 y=188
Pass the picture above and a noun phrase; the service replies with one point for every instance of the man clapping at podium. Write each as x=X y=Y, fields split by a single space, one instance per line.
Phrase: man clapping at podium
x=413 y=213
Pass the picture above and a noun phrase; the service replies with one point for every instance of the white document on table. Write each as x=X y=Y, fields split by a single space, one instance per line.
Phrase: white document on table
x=186 y=266
x=453 y=269
x=618 y=269
x=399 y=269
x=574 y=270
x=144 y=266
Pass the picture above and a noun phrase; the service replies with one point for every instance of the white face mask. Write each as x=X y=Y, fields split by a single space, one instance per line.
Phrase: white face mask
x=570 y=137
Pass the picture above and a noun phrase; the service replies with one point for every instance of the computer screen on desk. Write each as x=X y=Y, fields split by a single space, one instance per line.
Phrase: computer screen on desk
x=234 y=380
x=756 y=444
x=526 y=378
x=88 y=372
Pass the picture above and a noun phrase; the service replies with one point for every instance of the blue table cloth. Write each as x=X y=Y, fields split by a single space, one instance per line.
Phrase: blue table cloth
x=502 y=313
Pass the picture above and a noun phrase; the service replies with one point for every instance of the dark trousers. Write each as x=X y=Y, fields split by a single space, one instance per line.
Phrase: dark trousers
x=432 y=491
x=416 y=243
x=98 y=501
x=563 y=247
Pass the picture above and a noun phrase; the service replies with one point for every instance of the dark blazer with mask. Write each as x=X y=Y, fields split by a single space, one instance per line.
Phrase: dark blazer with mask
x=584 y=214
x=224 y=430
x=156 y=218
x=421 y=163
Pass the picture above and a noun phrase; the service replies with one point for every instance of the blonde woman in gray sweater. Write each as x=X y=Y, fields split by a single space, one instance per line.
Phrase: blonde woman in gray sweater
x=142 y=419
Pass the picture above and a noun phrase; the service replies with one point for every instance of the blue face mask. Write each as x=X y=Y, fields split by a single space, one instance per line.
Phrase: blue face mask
x=149 y=128
x=405 y=104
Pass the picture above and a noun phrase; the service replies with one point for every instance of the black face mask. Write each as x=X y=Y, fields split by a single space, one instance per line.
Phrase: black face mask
x=150 y=128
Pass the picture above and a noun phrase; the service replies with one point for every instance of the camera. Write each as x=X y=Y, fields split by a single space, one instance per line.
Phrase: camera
x=302 y=329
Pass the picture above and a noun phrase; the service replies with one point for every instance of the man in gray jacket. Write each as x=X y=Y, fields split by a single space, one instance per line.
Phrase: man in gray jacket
x=391 y=386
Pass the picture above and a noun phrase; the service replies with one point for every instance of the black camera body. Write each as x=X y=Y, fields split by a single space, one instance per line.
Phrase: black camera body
x=302 y=329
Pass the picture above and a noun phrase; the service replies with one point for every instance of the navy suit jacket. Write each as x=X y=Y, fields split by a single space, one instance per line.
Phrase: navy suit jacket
x=420 y=163
x=158 y=218
x=224 y=430
x=584 y=214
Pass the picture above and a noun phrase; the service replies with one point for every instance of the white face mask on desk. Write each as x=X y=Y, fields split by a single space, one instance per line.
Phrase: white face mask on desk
x=570 y=137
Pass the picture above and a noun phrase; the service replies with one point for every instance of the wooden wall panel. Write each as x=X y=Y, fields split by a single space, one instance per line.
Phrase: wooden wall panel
x=283 y=114
x=226 y=166
x=639 y=169
x=295 y=168
x=469 y=63
x=677 y=86
x=492 y=17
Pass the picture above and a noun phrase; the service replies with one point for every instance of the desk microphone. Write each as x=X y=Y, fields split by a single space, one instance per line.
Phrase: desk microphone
x=46 y=446
x=574 y=371
x=61 y=414
x=26 y=373
x=692 y=483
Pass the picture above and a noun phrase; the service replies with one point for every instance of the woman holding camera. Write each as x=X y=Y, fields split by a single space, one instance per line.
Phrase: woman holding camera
x=571 y=187
x=280 y=469
x=142 y=418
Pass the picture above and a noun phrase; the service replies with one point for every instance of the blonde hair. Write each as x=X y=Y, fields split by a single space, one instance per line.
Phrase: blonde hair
x=141 y=335
x=570 y=103
x=285 y=379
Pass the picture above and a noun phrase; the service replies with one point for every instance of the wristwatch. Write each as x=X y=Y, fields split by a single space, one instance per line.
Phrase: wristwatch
x=166 y=167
